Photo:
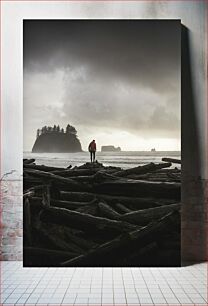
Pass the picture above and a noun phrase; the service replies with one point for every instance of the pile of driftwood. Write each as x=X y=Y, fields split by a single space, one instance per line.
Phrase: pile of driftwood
x=94 y=215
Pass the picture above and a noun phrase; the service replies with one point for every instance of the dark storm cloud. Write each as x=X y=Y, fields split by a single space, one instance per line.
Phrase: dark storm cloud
x=145 y=51
x=122 y=73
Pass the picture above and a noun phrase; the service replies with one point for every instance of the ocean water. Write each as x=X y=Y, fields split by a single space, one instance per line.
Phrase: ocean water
x=119 y=159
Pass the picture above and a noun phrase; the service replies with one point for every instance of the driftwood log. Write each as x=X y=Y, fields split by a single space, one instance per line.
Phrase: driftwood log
x=107 y=254
x=83 y=221
x=28 y=161
x=41 y=167
x=37 y=201
x=57 y=241
x=27 y=222
x=144 y=216
x=76 y=172
x=134 y=202
x=142 y=169
x=108 y=211
x=140 y=188
x=171 y=160
x=77 y=196
x=66 y=183
x=122 y=208
x=94 y=215
x=42 y=257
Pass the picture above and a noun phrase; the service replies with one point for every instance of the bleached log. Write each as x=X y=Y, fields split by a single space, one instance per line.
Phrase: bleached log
x=91 y=209
x=41 y=257
x=27 y=222
x=76 y=172
x=134 y=202
x=140 y=189
x=108 y=212
x=61 y=204
x=107 y=253
x=29 y=194
x=28 y=161
x=142 y=169
x=123 y=208
x=82 y=221
x=42 y=167
x=55 y=238
x=144 y=256
x=34 y=251
x=77 y=196
x=66 y=182
x=85 y=244
x=171 y=160
x=144 y=216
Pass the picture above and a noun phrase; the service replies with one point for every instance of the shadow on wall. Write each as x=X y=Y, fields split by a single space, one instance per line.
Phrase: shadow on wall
x=193 y=236
x=190 y=136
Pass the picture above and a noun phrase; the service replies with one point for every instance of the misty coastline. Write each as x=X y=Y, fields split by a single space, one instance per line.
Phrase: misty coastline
x=123 y=159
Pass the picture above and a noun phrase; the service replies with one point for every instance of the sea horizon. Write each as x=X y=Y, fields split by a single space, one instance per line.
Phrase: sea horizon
x=105 y=151
x=122 y=159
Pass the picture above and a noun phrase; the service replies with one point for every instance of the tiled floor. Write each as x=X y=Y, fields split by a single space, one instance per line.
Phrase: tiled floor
x=106 y=286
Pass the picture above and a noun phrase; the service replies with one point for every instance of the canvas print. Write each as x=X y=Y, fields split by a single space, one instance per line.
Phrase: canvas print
x=102 y=144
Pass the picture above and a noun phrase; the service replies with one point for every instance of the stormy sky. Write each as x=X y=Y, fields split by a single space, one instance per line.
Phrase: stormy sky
x=116 y=81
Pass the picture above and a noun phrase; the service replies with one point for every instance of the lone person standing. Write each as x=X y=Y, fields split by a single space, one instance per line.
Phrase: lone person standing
x=92 y=150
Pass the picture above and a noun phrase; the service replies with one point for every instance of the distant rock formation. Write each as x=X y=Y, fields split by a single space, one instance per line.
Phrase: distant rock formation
x=110 y=149
x=153 y=150
x=56 y=140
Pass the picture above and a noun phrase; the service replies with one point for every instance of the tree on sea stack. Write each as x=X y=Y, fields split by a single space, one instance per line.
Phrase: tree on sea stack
x=67 y=129
x=71 y=130
x=38 y=133
x=44 y=129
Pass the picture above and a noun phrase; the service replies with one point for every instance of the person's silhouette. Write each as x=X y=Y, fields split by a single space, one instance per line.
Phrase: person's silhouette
x=92 y=150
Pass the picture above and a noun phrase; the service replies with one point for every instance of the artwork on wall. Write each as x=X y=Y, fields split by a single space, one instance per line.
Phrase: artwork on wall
x=102 y=143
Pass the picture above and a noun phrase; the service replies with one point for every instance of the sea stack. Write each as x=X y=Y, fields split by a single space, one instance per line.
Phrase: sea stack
x=110 y=148
x=57 y=140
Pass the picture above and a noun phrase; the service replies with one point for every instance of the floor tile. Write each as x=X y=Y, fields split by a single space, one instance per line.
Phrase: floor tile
x=88 y=286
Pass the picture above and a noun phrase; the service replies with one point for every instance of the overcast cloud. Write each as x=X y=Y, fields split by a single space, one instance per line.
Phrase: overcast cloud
x=107 y=78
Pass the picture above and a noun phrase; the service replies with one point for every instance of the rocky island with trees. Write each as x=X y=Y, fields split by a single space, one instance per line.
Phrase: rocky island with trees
x=57 y=140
